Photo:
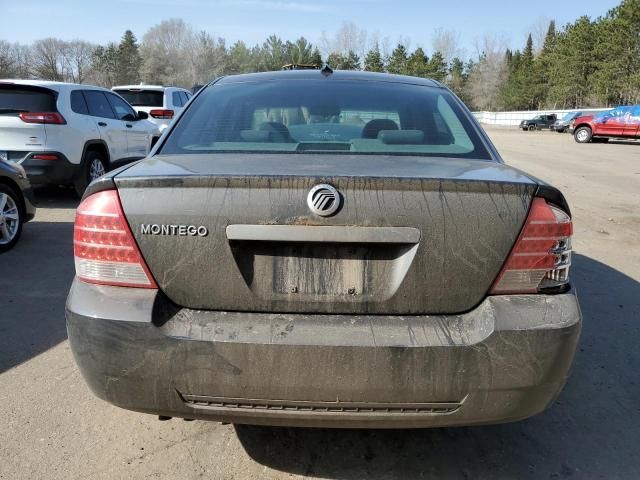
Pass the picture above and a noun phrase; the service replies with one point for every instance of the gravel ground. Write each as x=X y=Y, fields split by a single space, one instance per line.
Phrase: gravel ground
x=53 y=427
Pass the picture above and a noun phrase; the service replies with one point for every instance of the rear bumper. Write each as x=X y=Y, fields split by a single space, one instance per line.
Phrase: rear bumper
x=503 y=361
x=49 y=172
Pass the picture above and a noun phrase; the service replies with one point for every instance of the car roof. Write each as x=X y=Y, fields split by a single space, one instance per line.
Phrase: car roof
x=51 y=84
x=336 y=74
x=159 y=88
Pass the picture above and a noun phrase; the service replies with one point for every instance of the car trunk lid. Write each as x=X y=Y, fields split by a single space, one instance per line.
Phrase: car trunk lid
x=413 y=235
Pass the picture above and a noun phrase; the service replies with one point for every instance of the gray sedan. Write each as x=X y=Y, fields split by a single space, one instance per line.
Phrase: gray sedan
x=325 y=249
x=17 y=203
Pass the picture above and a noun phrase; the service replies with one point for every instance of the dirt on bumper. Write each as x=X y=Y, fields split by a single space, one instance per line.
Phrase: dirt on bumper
x=505 y=360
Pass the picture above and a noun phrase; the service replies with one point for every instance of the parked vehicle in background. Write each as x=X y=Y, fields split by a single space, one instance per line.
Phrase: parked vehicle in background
x=562 y=124
x=620 y=122
x=538 y=122
x=161 y=103
x=68 y=134
x=17 y=204
x=328 y=249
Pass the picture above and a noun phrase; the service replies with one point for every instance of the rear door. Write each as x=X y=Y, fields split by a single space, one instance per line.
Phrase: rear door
x=610 y=124
x=112 y=130
x=16 y=135
x=137 y=136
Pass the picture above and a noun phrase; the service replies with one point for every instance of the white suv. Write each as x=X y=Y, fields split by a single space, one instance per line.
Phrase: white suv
x=68 y=134
x=161 y=103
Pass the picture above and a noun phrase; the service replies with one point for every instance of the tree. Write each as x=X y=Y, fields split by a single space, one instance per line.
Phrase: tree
x=273 y=55
x=437 y=67
x=128 y=60
x=338 y=61
x=348 y=38
x=166 y=52
x=458 y=79
x=105 y=65
x=572 y=65
x=373 y=60
x=487 y=73
x=316 y=58
x=398 y=61
x=49 y=59
x=209 y=58
x=240 y=59
x=299 y=52
x=520 y=90
x=446 y=42
x=616 y=77
x=418 y=64
x=15 y=60
x=542 y=66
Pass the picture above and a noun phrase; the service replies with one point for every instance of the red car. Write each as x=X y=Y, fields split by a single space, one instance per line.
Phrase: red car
x=623 y=122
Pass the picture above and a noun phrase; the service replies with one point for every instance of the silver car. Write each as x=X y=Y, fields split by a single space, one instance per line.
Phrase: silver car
x=326 y=249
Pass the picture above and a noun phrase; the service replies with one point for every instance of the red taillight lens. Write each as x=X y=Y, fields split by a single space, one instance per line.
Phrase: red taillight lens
x=45 y=156
x=164 y=114
x=541 y=256
x=42 y=117
x=103 y=246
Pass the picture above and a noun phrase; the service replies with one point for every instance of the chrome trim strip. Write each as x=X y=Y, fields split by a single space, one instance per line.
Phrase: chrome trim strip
x=334 y=234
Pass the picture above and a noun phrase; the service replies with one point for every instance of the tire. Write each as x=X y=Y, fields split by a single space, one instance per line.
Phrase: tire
x=11 y=217
x=582 y=135
x=561 y=130
x=93 y=166
x=532 y=128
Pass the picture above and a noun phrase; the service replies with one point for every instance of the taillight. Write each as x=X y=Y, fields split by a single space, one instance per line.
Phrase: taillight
x=541 y=257
x=164 y=114
x=45 y=156
x=42 y=117
x=103 y=246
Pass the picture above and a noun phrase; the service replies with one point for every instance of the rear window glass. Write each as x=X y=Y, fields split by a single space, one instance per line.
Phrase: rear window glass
x=16 y=99
x=142 y=98
x=332 y=116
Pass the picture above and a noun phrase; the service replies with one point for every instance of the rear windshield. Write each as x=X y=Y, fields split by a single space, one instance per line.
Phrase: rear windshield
x=18 y=98
x=142 y=98
x=299 y=116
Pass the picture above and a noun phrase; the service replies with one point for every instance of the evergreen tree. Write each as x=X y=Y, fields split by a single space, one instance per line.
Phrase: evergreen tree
x=542 y=66
x=458 y=79
x=572 y=64
x=418 y=64
x=105 y=64
x=616 y=79
x=373 y=60
x=316 y=58
x=299 y=52
x=338 y=61
x=128 y=60
x=519 y=91
x=273 y=55
x=398 y=60
x=437 y=67
x=240 y=59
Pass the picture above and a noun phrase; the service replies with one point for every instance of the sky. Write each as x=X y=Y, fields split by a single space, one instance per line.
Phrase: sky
x=253 y=20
